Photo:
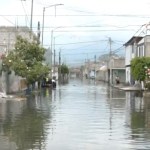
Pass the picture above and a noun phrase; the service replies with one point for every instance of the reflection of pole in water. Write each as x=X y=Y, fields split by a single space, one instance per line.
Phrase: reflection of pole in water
x=60 y=93
x=54 y=95
x=110 y=109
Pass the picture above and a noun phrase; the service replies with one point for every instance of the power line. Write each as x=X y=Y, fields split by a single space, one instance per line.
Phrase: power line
x=77 y=10
x=92 y=26
x=8 y=20
x=117 y=50
x=80 y=47
x=102 y=15
x=26 y=17
x=93 y=52
x=96 y=30
x=82 y=42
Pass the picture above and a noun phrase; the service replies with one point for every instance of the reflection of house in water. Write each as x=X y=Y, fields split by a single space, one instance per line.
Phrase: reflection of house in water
x=147 y=111
x=9 y=110
x=135 y=106
x=116 y=106
x=116 y=94
x=25 y=120
x=138 y=114
x=136 y=103
x=116 y=98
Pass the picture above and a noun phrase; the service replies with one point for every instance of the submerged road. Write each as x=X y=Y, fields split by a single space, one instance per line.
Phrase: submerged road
x=80 y=115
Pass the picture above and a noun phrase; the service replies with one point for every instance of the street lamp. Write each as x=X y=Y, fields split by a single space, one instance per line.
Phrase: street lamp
x=52 y=31
x=31 y=16
x=44 y=15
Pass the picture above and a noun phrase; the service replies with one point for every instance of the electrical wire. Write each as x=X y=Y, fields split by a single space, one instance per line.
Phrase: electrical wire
x=26 y=17
x=8 y=20
x=101 y=15
x=96 y=30
x=81 y=42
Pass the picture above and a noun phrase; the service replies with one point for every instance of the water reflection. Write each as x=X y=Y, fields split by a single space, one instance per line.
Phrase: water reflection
x=81 y=115
x=24 y=124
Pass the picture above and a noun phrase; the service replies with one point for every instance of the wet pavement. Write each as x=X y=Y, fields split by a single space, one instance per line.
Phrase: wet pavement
x=80 y=115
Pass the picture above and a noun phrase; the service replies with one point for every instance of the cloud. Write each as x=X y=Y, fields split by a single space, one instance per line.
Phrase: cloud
x=102 y=16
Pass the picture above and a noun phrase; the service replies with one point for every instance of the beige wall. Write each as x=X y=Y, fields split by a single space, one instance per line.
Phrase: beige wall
x=118 y=63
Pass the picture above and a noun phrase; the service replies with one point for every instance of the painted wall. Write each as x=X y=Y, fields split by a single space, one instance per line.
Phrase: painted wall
x=128 y=55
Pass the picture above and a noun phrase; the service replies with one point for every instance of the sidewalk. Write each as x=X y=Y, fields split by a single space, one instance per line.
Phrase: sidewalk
x=127 y=88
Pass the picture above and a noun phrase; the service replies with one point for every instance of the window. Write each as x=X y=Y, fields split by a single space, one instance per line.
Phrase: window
x=141 y=51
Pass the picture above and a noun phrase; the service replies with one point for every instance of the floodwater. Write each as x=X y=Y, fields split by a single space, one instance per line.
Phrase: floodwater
x=80 y=115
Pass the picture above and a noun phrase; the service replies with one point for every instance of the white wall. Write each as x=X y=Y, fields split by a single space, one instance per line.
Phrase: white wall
x=128 y=55
x=128 y=75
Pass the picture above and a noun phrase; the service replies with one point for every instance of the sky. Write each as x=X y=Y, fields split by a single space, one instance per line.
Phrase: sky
x=81 y=28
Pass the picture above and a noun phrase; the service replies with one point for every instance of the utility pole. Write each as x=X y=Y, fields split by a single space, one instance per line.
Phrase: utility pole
x=44 y=16
x=95 y=66
x=110 y=72
x=54 y=60
x=31 y=17
x=59 y=75
x=38 y=34
x=54 y=56
x=43 y=24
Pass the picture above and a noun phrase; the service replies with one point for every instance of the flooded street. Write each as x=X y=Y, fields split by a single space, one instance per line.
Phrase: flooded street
x=81 y=115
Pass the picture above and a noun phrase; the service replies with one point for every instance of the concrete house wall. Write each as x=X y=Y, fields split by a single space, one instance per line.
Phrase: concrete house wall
x=130 y=53
x=147 y=45
x=128 y=57
x=135 y=47
x=11 y=82
x=118 y=69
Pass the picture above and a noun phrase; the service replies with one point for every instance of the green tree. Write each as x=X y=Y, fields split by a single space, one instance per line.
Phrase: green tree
x=63 y=71
x=26 y=60
x=139 y=66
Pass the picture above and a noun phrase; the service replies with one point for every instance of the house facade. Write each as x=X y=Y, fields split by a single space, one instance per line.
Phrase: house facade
x=10 y=82
x=130 y=53
x=116 y=69
x=136 y=47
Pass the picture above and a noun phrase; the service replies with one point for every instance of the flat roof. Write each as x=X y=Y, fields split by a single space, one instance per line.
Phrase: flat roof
x=134 y=39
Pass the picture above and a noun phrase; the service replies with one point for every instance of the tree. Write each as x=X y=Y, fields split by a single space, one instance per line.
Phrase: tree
x=26 y=60
x=140 y=69
x=64 y=70
x=138 y=65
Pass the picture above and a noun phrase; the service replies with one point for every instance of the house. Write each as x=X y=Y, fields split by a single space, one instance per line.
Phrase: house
x=102 y=72
x=117 y=69
x=11 y=82
x=108 y=70
x=136 y=47
x=90 y=69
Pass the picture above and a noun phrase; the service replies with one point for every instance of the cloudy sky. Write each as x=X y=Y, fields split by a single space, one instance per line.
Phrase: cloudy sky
x=81 y=28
